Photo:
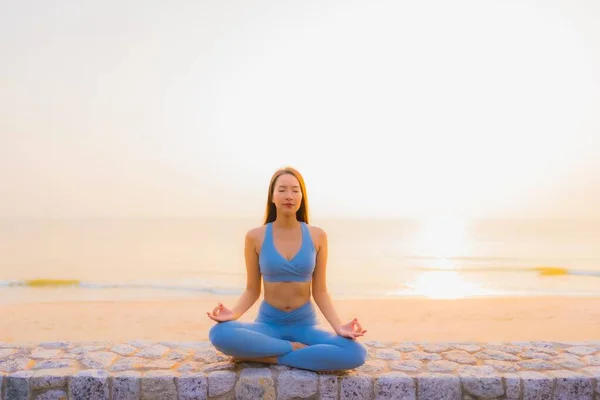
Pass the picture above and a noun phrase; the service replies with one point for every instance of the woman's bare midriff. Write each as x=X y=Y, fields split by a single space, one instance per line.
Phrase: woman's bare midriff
x=287 y=296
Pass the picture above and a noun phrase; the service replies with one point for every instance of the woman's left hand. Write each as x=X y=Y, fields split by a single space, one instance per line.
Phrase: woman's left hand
x=351 y=330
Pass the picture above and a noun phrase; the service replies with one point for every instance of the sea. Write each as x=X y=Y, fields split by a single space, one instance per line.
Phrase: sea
x=126 y=258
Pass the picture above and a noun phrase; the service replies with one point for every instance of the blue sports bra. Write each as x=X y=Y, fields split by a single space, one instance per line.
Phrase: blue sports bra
x=277 y=268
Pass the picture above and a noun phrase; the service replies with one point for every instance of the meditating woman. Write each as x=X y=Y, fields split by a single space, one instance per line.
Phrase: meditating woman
x=291 y=256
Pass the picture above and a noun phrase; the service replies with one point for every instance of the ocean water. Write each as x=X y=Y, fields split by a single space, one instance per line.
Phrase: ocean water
x=148 y=258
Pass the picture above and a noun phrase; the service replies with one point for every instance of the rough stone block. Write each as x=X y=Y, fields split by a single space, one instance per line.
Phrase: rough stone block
x=594 y=372
x=538 y=365
x=572 y=385
x=52 y=394
x=89 y=384
x=297 y=384
x=140 y=344
x=372 y=366
x=154 y=351
x=459 y=356
x=387 y=354
x=5 y=353
x=123 y=349
x=255 y=383
x=496 y=355
x=220 y=382
x=469 y=347
x=177 y=355
x=582 y=350
x=58 y=364
x=192 y=386
x=356 y=386
x=56 y=345
x=15 y=365
x=42 y=353
x=482 y=384
x=375 y=343
x=158 y=385
x=395 y=386
x=99 y=359
x=513 y=386
x=568 y=362
x=126 y=385
x=129 y=363
x=442 y=366
x=536 y=355
x=503 y=366
x=220 y=366
x=438 y=386
x=505 y=348
x=421 y=355
x=160 y=364
x=592 y=360
x=87 y=348
x=17 y=385
x=328 y=387
x=405 y=347
x=435 y=347
x=44 y=379
x=209 y=355
x=406 y=365
x=536 y=385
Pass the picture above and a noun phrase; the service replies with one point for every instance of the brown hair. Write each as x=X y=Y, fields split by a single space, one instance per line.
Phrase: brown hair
x=271 y=210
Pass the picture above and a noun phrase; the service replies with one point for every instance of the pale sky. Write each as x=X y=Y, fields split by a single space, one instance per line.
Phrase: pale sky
x=388 y=108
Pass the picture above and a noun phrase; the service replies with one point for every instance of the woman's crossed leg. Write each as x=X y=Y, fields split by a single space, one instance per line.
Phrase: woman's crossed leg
x=300 y=346
x=325 y=351
x=248 y=339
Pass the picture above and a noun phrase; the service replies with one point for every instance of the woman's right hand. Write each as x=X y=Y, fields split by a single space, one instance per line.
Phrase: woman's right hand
x=221 y=314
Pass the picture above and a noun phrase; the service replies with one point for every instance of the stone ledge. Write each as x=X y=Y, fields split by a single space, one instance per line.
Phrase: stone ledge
x=195 y=370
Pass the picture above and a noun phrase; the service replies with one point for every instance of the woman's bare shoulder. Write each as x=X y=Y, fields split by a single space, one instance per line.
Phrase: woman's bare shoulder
x=256 y=234
x=316 y=229
x=318 y=234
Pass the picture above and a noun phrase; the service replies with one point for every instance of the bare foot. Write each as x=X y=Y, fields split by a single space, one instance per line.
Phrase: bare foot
x=268 y=360
x=298 y=345
x=265 y=360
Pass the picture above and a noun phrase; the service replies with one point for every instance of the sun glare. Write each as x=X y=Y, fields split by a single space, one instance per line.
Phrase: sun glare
x=444 y=285
x=442 y=238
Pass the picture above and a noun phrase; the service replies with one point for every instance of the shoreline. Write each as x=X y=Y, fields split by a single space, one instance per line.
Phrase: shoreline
x=488 y=319
x=21 y=295
x=228 y=297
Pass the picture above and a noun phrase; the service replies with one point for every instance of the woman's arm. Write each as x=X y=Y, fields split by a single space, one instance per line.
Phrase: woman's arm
x=352 y=329
x=319 y=283
x=253 y=278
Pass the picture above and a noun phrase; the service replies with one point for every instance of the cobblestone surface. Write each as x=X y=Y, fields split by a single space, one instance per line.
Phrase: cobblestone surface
x=167 y=370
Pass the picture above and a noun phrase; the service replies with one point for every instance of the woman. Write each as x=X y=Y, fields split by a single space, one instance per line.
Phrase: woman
x=291 y=256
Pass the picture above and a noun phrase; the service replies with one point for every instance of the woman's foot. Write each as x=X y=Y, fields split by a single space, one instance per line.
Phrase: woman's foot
x=298 y=345
x=264 y=360
x=267 y=360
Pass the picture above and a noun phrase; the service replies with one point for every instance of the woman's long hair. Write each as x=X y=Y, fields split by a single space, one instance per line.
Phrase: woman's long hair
x=271 y=211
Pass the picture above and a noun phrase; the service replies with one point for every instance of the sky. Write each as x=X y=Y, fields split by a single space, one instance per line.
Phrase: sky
x=389 y=109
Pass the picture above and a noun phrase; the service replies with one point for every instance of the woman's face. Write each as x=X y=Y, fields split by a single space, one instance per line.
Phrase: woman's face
x=287 y=195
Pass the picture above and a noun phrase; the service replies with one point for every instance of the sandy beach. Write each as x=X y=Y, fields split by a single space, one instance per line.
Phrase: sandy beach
x=412 y=319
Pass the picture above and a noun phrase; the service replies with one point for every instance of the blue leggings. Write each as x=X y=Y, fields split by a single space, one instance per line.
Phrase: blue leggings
x=272 y=333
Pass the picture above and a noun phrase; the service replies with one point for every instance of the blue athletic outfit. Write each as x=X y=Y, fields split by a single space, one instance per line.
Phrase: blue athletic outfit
x=273 y=330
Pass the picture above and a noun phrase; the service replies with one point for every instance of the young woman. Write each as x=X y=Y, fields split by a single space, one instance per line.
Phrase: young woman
x=291 y=256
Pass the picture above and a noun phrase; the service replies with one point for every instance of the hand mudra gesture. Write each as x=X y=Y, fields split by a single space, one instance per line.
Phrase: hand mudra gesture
x=221 y=313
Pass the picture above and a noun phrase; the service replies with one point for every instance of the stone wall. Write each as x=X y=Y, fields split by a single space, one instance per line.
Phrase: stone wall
x=167 y=370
